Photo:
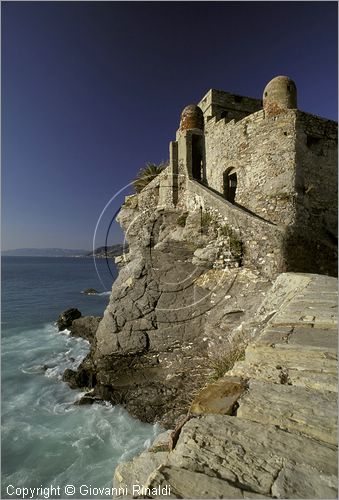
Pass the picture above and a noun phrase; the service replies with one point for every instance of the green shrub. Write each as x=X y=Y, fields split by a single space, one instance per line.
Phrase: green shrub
x=207 y=220
x=236 y=245
x=146 y=175
x=225 y=361
x=181 y=220
x=208 y=224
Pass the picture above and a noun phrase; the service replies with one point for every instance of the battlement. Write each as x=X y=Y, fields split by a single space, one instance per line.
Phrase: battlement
x=220 y=104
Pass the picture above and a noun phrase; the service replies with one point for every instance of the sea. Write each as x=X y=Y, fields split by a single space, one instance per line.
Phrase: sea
x=47 y=442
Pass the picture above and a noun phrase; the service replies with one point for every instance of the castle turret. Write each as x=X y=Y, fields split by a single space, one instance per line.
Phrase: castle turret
x=279 y=94
x=192 y=117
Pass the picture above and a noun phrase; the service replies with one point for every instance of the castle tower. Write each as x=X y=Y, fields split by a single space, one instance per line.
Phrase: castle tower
x=279 y=94
x=192 y=117
x=190 y=137
x=186 y=156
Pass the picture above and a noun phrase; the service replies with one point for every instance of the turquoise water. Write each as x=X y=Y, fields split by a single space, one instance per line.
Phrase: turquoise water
x=46 y=439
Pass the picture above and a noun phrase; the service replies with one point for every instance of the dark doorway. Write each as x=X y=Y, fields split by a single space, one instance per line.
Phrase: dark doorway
x=196 y=157
x=230 y=185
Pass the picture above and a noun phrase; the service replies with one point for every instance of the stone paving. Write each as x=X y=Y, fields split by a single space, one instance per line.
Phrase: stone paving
x=279 y=439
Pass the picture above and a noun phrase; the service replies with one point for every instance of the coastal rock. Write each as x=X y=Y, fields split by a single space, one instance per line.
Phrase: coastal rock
x=90 y=291
x=219 y=456
x=207 y=255
x=147 y=346
x=280 y=441
x=66 y=318
x=71 y=377
x=85 y=327
x=219 y=397
x=83 y=377
x=88 y=399
x=141 y=467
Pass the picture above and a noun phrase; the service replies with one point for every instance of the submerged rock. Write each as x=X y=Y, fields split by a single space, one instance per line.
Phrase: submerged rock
x=90 y=291
x=66 y=318
x=71 y=377
x=88 y=399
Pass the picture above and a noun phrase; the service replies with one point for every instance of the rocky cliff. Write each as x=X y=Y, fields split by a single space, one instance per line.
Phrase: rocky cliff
x=180 y=304
x=186 y=308
x=280 y=441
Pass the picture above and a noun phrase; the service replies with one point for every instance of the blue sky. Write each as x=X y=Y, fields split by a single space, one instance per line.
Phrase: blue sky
x=91 y=91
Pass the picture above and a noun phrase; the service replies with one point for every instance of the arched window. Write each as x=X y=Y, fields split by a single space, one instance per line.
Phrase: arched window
x=230 y=184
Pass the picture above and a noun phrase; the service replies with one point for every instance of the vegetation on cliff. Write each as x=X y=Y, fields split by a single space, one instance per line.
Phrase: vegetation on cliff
x=147 y=174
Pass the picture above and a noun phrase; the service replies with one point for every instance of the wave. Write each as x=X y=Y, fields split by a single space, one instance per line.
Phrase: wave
x=64 y=332
x=49 y=352
x=96 y=294
x=34 y=369
x=46 y=438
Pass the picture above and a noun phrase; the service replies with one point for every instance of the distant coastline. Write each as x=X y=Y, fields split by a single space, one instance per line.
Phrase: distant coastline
x=100 y=252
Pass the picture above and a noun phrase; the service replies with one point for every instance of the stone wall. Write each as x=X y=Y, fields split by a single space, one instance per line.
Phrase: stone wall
x=317 y=172
x=262 y=151
x=313 y=238
x=263 y=241
x=229 y=106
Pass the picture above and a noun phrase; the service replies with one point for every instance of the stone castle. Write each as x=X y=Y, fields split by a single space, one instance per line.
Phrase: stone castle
x=205 y=332
x=269 y=169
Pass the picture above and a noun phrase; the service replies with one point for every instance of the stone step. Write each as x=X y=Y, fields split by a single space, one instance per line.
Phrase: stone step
x=278 y=374
x=294 y=357
x=296 y=409
x=218 y=397
x=253 y=457
x=169 y=481
x=318 y=381
x=305 y=336
x=295 y=349
x=309 y=310
x=326 y=317
x=316 y=304
x=136 y=472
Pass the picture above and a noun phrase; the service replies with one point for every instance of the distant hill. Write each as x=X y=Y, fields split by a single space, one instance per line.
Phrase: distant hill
x=44 y=252
x=110 y=251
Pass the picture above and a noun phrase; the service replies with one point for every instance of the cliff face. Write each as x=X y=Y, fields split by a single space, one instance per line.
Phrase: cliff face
x=174 y=314
x=281 y=439
x=183 y=310
x=149 y=352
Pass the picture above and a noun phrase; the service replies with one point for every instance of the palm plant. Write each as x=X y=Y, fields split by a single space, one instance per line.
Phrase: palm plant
x=147 y=174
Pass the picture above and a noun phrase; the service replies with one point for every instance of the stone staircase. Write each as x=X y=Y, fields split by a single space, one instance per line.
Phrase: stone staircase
x=292 y=367
x=268 y=429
